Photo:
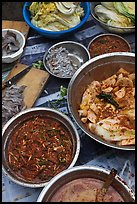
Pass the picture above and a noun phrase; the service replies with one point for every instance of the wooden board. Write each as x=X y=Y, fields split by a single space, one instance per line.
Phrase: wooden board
x=17 y=25
x=34 y=81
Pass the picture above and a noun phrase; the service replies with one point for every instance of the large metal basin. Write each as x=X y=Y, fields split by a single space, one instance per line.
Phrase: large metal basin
x=84 y=172
x=97 y=68
x=19 y=118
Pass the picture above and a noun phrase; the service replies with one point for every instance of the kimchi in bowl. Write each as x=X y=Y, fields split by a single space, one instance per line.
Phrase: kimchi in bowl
x=37 y=144
x=104 y=106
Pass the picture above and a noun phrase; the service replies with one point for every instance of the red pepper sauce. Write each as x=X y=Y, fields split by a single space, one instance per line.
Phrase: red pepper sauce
x=39 y=149
x=107 y=44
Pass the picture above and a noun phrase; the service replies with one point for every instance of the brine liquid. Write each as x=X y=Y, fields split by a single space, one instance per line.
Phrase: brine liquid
x=84 y=190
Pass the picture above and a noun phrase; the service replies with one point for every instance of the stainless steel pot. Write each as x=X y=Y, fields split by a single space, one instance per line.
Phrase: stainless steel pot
x=83 y=172
x=113 y=36
x=113 y=29
x=22 y=116
x=78 y=55
x=97 y=68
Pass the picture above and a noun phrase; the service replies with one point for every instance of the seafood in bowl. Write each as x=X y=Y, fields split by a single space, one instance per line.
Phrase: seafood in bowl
x=13 y=42
x=107 y=108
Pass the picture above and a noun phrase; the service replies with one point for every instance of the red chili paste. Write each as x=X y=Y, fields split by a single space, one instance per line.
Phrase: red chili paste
x=39 y=149
x=107 y=44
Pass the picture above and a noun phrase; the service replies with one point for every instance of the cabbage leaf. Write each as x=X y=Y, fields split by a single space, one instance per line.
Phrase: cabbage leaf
x=108 y=5
x=126 y=9
x=111 y=17
x=45 y=15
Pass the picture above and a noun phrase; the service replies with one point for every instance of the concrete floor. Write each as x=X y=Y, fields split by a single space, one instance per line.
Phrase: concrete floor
x=12 y=11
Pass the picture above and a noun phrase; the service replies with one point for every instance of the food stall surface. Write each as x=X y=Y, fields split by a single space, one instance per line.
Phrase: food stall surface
x=91 y=153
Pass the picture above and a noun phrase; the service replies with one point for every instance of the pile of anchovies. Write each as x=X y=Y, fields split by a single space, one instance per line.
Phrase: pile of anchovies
x=59 y=62
x=12 y=102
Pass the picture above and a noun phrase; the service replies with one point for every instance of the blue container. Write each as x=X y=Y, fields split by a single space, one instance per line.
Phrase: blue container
x=56 y=34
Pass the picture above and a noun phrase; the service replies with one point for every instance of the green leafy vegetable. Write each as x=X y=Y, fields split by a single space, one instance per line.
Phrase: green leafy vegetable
x=58 y=17
x=109 y=134
x=63 y=91
x=130 y=6
x=108 y=5
x=38 y=64
x=57 y=104
x=126 y=8
x=114 y=14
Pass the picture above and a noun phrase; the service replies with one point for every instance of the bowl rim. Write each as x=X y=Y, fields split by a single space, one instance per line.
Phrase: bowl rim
x=79 y=168
x=22 y=46
x=62 y=43
x=101 y=22
x=84 y=19
x=128 y=54
x=75 y=157
x=110 y=34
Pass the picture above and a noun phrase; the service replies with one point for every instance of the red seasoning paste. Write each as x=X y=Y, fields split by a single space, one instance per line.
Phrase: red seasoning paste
x=107 y=44
x=39 y=149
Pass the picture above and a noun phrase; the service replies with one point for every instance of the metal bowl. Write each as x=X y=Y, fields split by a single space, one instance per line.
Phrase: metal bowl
x=83 y=172
x=9 y=58
x=113 y=29
x=110 y=35
x=23 y=116
x=97 y=68
x=78 y=54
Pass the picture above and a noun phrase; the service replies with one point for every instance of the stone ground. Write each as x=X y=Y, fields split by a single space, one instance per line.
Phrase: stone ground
x=12 y=11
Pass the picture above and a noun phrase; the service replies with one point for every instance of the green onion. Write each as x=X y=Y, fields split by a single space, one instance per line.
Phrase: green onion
x=63 y=91
x=42 y=162
x=108 y=98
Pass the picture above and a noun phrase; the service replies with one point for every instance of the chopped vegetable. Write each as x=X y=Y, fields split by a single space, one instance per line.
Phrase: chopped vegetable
x=38 y=64
x=107 y=108
x=115 y=13
x=63 y=91
x=109 y=134
x=66 y=8
x=108 y=5
x=126 y=8
x=57 y=103
x=56 y=16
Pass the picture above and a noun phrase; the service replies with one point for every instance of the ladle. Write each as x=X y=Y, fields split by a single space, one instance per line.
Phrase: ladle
x=101 y=193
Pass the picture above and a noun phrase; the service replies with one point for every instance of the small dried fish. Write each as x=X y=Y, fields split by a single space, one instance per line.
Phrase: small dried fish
x=10 y=44
x=12 y=102
x=60 y=63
